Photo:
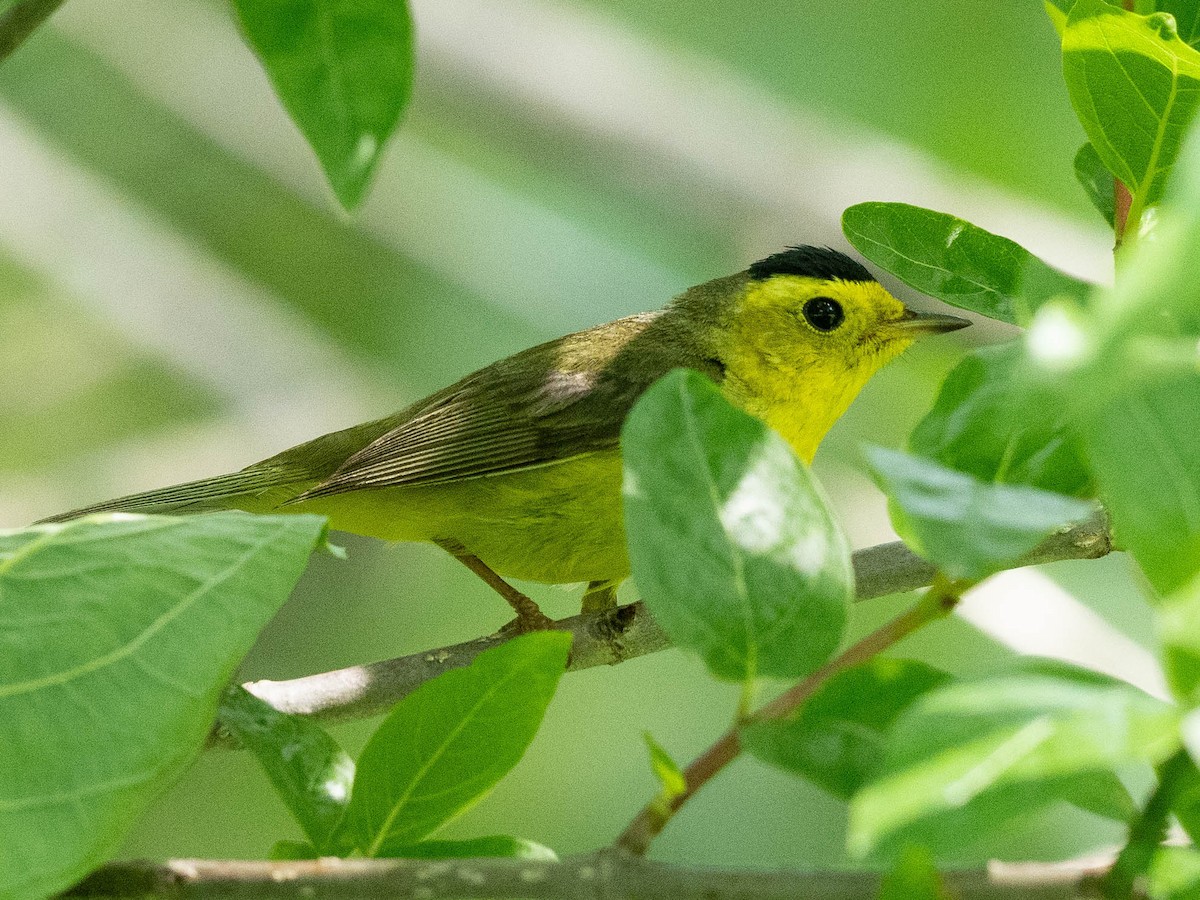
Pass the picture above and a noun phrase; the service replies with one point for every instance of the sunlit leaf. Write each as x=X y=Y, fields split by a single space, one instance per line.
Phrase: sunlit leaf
x=973 y=758
x=956 y=262
x=731 y=540
x=672 y=782
x=1096 y=181
x=117 y=637
x=1135 y=87
x=447 y=743
x=1175 y=874
x=838 y=738
x=967 y=527
x=310 y=771
x=343 y=70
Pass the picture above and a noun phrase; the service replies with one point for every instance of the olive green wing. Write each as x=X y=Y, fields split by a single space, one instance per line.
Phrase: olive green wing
x=552 y=402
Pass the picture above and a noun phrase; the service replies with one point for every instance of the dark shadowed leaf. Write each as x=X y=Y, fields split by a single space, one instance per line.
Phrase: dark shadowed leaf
x=312 y=774
x=1187 y=18
x=117 y=637
x=447 y=743
x=837 y=739
x=343 y=70
x=731 y=541
x=968 y=528
x=1096 y=181
x=957 y=262
x=993 y=423
x=972 y=758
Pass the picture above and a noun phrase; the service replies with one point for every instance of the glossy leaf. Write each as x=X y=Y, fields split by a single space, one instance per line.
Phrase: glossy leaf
x=972 y=758
x=838 y=738
x=968 y=528
x=1096 y=181
x=117 y=637
x=309 y=770
x=497 y=845
x=956 y=262
x=343 y=69
x=1135 y=87
x=447 y=743
x=990 y=422
x=731 y=540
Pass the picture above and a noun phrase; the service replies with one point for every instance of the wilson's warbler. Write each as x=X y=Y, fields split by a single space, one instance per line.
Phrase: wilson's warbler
x=516 y=469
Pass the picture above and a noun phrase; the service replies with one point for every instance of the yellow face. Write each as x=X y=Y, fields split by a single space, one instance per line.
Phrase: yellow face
x=800 y=349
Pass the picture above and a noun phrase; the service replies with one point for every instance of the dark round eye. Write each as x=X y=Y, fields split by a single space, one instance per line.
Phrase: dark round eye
x=824 y=314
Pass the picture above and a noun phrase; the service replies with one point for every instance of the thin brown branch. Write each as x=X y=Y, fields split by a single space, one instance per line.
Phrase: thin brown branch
x=20 y=20
x=608 y=874
x=606 y=638
x=653 y=817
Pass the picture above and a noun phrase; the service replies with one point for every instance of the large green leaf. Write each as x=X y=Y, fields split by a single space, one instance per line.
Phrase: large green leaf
x=117 y=636
x=447 y=743
x=837 y=739
x=968 y=528
x=990 y=421
x=1179 y=630
x=1096 y=181
x=971 y=758
x=732 y=543
x=1142 y=445
x=1135 y=87
x=310 y=771
x=957 y=262
x=343 y=70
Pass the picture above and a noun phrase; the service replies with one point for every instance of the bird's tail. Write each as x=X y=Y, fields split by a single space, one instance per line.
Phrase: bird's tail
x=237 y=490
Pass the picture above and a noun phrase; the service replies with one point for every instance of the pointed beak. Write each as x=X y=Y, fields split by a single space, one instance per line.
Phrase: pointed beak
x=914 y=323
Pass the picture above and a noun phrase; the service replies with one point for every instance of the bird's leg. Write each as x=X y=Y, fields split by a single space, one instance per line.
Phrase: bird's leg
x=600 y=596
x=529 y=616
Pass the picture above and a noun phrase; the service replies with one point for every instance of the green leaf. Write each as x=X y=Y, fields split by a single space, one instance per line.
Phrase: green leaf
x=496 y=845
x=343 y=69
x=968 y=528
x=913 y=877
x=1096 y=181
x=730 y=538
x=1175 y=874
x=1057 y=11
x=1187 y=18
x=971 y=758
x=991 y=422
x=670 y=777
x=837 y=739
x=1143 y=448
x=1135 y=87
x=956 y=262
x=117 y=637
x=447 y=743
x=310 y=771
x=1179 y=630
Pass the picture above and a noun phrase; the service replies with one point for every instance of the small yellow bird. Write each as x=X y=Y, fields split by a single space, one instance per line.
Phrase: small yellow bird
x=516 y=469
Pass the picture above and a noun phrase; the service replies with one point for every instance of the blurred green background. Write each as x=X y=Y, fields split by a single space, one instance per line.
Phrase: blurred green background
x=179 y=296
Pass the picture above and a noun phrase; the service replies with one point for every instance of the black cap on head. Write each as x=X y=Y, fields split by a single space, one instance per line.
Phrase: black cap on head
x=810 y=262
